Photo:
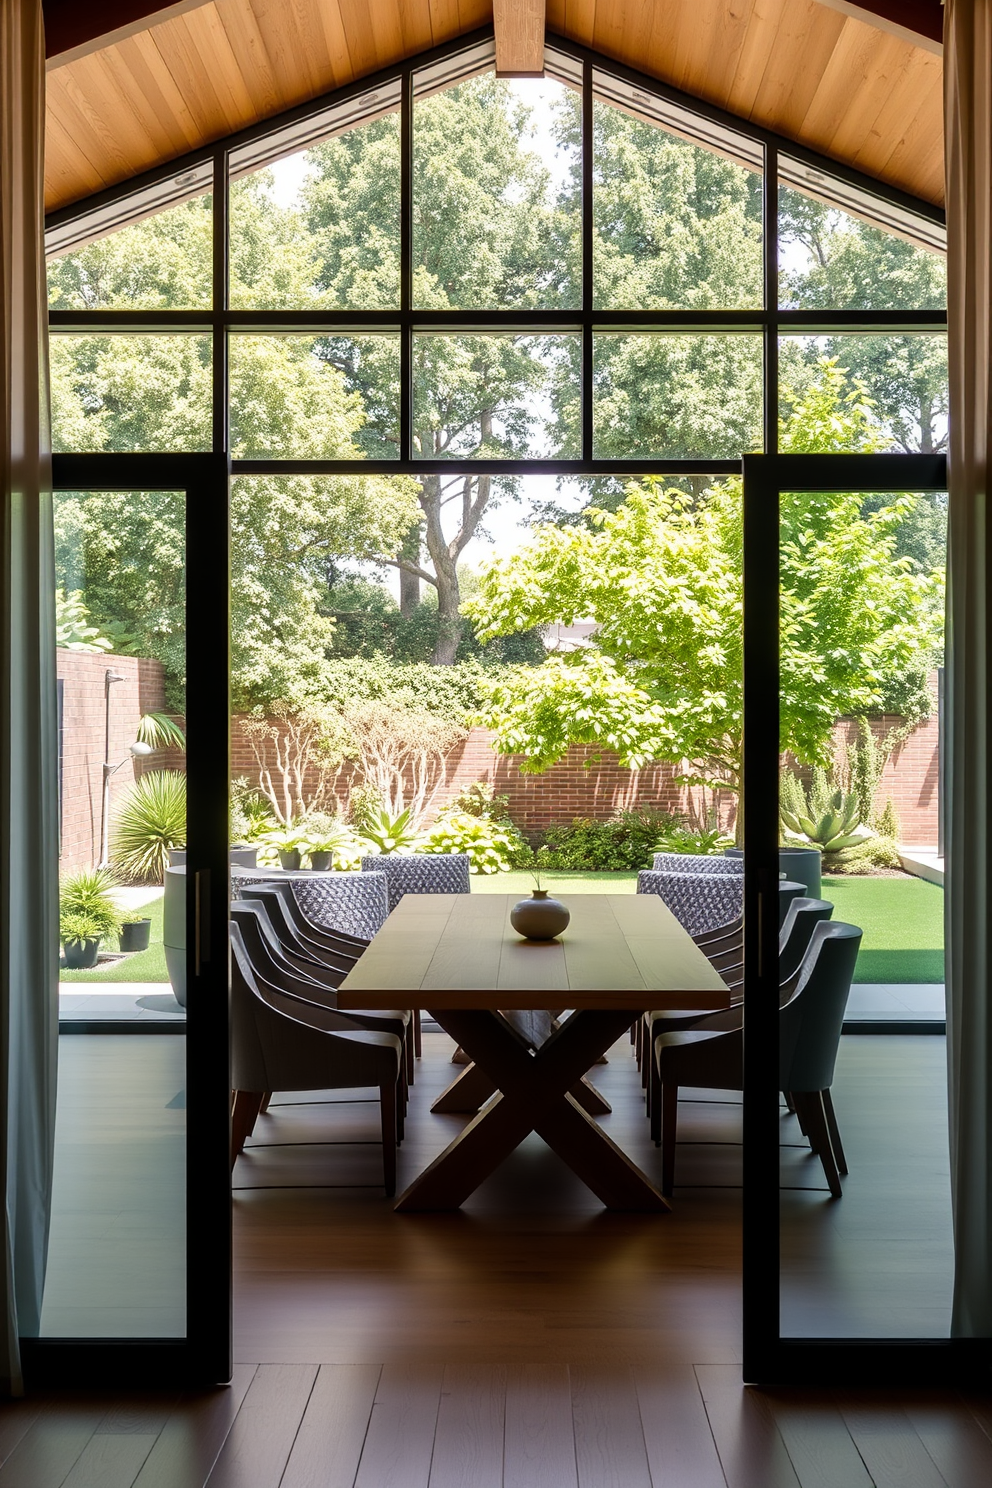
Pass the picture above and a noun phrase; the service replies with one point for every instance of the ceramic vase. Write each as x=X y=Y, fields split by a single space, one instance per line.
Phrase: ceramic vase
x=539 y=918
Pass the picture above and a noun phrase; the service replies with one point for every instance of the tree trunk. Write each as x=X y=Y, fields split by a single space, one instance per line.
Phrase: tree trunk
x=409 y=583
x=449 y=622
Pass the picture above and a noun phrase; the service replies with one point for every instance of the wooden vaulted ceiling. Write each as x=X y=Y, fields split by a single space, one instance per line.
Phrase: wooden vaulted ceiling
x=824 y=72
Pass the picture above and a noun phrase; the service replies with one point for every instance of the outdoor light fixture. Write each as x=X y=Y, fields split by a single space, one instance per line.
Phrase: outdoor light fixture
x=137 y=750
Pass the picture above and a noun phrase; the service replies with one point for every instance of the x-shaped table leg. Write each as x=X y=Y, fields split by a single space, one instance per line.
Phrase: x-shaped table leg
x=534 y=1096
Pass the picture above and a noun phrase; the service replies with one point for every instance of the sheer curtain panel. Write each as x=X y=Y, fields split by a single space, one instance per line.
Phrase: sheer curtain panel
x=28 y=743
x=968 y=135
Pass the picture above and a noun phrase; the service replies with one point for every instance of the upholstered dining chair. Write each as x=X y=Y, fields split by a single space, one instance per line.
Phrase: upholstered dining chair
x=811 y=1018
x=422 y=873
x=699 y=901
x=669 y=862
x=350 y=904
x=285 y=1043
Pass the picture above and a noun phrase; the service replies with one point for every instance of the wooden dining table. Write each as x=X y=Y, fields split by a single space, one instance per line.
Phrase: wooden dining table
x=457 y=957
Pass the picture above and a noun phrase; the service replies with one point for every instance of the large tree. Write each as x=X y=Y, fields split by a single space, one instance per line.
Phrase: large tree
x=153 y=392
x=661 y=576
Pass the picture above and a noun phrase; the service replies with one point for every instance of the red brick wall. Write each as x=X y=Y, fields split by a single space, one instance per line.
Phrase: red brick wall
x=84 y=740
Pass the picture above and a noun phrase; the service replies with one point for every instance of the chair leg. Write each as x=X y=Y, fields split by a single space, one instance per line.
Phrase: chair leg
x=243 y=1114
x=655 y=1110
x=809 y=1102
x=388 y=1115
x=265 y=1103
x=790 y=1104
x=669 y=1134
x=418 y=1045
x=410 y=1055
x=833 y=1129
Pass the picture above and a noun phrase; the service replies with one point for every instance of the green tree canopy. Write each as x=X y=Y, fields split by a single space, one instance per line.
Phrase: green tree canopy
x=662 y=578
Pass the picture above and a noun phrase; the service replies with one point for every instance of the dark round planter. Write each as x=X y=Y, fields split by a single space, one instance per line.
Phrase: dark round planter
x=135 y=935
x=80 y=955
x=290 y=860
x=539 y=918
x=799 y=864
x=320 y=862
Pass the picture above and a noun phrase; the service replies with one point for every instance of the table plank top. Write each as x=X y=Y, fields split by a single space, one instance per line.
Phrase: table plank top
x=460 y=951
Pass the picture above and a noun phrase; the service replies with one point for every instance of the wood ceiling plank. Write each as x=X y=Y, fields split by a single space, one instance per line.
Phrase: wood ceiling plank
x=363 y=32
x=519 y=27
x=752 y=62
x=285 y=50
x=809 y=34
x=68 y=172
x=79 y=104
x=303 y=18
x=839 y=103
x=159 y=94
x=152 y=68
x=196 y=73
x=917 y=153
x=735 y=19
x=254 y=62
x=208 y=30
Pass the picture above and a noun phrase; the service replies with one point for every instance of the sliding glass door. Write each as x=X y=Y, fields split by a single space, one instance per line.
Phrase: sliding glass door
x=138 y=1279
x=847 y=1222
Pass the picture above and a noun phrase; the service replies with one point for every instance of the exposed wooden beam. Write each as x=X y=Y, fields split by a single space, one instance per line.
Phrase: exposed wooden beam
x=918 y=21
x=74 y=30
x=519 y=28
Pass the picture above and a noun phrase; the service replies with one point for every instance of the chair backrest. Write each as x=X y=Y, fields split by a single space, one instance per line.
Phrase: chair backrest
x=422 y=873
x=290 y=938
x=308 y=929
x=699 y=901
x=266 y=954
x=797 y=929
x=787 y=891
x=812 y=1017
x=355 y=904
x=668 y=862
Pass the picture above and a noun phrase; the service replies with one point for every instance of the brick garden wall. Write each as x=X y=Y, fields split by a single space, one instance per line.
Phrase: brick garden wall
x=580 y=786
x=84 y=741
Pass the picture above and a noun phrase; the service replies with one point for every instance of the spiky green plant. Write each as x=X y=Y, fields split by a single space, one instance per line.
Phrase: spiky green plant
x=390 y=834
x=152 y=818
x=160 y=731
x=830 y=821
x=87 y=894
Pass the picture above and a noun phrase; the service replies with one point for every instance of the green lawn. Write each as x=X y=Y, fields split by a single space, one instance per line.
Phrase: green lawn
x=142 y=966
x=903 y=923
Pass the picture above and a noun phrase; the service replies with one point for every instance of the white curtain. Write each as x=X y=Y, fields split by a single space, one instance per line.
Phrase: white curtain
x=968 y=137
x=28 y=741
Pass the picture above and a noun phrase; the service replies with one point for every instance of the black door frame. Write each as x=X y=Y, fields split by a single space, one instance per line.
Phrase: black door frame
x=770 y=1359
x=204 y=1356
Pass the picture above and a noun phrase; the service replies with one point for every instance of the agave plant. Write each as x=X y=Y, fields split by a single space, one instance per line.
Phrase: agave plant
x=151 y=819
x=836 y=825
x=390 y=834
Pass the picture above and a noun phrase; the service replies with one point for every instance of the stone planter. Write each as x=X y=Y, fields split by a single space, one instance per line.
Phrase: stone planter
x=799 y=864
x=539 y=918
x=80 y=955
x=174 y=930
x=135 y=935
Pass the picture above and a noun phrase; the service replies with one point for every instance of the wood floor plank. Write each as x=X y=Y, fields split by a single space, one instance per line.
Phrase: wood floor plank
x=399 y=1444
x=468 y=1441
x=192 y=1437
x=538 y=1437
x=111 y=1460
x=328 y=1446
x=820 y=1447
x=680 y=1446
x=893 y=1453
x=48 y=1451
x=752 y=1452
x=609 y=1443
x=955 y=1441
x=16 y=1419
x=259 y=1443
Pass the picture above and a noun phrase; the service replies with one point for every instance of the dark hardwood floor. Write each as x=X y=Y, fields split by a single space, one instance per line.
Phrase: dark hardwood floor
x=533 y=1340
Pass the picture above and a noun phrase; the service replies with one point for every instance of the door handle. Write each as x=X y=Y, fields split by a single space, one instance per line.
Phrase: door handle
x=201 y=891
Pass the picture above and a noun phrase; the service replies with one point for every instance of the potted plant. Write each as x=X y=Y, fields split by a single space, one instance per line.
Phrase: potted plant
x=89 y=892
x=328 y=841
x=80 y=936
x=136 y=932
x=290 y=842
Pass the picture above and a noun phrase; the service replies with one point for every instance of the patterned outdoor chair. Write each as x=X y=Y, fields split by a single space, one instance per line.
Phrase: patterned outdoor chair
x=351 y=903
x=699 y=901
x=665 y=862
x=423 y=873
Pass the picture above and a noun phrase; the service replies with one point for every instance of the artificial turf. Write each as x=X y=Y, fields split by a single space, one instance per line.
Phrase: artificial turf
x=903 y=924
x=140 y=966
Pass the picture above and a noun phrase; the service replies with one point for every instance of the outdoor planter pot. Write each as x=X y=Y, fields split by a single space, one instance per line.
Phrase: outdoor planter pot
x=320 y=862
x=136 y=934
x=290 y=859
x=799 y=864
x=80 y=955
